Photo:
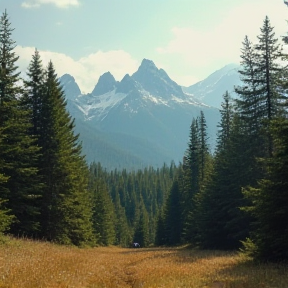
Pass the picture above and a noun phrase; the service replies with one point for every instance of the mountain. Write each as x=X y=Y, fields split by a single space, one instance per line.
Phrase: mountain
x=156 y=81
x=142 y=120
x=70 y=86
x=209 y=90
x=105 y=84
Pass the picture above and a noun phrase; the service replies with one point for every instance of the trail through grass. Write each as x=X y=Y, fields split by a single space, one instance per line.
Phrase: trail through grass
x=32 y=264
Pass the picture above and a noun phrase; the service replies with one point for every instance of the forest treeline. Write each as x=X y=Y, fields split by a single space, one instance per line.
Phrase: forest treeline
x=235 y=198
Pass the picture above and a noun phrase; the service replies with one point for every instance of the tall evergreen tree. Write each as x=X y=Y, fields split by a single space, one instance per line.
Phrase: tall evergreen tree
x=66 y=207
x=269 y=196
x=3 y=178
x=250 y=93
x=161 y=236
x=221 y=223
x=18 y=152
x=104 y=214
x=122 y=230
x=34 y=92
x=249 y=107
x=196 y=170
x=205 y=167
x=225 y=125
x=141 y=234
x=9 y=75
x=203 y=148
x=5 y=218
x=268 y=70
x=270 y=201
x=260 y=99
x=191 y=182
x=173 y=215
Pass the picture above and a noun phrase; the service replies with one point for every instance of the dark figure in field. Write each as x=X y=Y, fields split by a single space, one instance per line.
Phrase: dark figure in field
x=136 y=245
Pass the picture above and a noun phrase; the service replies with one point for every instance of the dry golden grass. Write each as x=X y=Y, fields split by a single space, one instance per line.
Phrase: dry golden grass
x=25 y=263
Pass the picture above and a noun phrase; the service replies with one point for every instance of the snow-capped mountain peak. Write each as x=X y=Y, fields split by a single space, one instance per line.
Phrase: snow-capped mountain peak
x=147 y=114
x=147 y=86
x=156 y=81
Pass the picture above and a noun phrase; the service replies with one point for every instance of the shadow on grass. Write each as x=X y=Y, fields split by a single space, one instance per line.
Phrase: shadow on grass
x=227 y=269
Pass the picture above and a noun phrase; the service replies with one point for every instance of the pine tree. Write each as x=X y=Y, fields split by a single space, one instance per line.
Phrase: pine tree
x=123 y=233
x=268 y=239
x=225 y=125
x=141 y=234
x=249 y=107
x=66 y=207
x=173 y=215
x=268 y=71
x=161 y=235
x=191 y=182
x=260 y=100
x=5 y=218
x=104 y=217
x=34 y=92
x=250 y=93
x=203 y=148
x=18 y=152
x=9 y=76
x=220 y=224
x=3 y=179
x=196 y=166
x=270 y=201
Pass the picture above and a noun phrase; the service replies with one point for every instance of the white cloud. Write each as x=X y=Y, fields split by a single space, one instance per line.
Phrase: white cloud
x=220 y=44
x=86 y=70
x=57 y=3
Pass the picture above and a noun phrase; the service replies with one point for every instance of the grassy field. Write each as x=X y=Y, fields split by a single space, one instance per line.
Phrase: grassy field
x=38 y=264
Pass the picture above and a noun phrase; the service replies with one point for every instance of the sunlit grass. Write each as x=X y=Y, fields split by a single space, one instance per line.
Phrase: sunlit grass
x=25 y=263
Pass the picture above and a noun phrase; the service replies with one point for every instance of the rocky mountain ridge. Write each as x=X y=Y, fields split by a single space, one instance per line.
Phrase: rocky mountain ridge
x=145 y=116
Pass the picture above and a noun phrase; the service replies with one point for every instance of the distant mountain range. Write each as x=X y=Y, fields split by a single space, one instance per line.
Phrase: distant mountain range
x=211 y=89
x=144 y=119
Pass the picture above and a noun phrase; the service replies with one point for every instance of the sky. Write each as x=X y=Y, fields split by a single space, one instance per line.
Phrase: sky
x=189 y=39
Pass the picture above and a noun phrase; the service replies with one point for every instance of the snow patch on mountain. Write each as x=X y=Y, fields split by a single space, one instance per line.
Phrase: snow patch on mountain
x=188 y=101
x=147 y=96
x=98 y=106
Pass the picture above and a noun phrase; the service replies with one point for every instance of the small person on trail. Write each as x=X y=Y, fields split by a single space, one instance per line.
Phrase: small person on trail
x=136 y=245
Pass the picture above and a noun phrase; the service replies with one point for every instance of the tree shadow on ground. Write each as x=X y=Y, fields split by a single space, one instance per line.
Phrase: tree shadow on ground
x=225 y=269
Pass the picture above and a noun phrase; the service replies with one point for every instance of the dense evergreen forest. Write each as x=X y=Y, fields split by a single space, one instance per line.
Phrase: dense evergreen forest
x=235 y=198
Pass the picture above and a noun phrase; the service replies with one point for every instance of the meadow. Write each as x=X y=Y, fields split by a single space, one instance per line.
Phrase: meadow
x=30 y=264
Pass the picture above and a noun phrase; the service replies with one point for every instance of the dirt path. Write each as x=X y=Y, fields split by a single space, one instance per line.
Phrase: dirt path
x=129 y=268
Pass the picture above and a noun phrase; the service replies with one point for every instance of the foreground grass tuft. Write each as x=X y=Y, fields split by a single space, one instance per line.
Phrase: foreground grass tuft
x=31 y=264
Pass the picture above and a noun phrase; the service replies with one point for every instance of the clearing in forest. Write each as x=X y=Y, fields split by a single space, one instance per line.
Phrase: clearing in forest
x=32 y=264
